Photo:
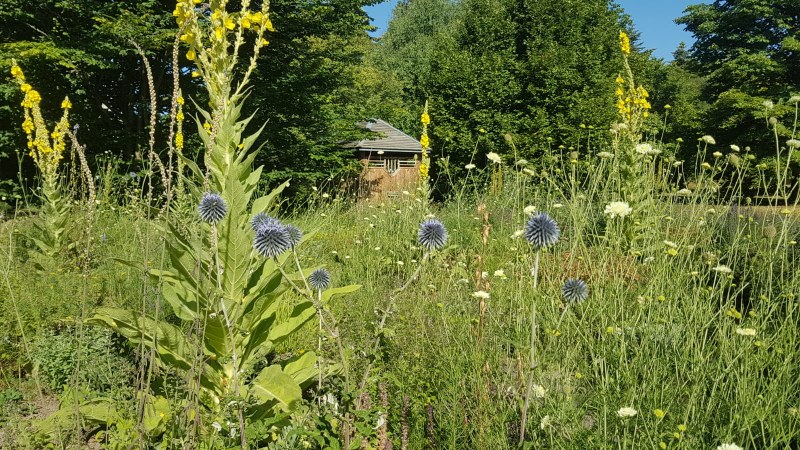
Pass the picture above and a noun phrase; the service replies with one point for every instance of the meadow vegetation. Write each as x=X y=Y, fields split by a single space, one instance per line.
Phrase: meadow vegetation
x=611 y=293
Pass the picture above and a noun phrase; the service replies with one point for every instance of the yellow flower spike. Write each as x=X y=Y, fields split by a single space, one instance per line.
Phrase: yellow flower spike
x=230 y=24
x=426 y=119
x=425 y=141
x=66 y=104
x=620 y=80
x=179 y=116
x=25 y=87
x=624 y=43
x=180 y=100
x=27 y=126
x=16 y=72
x=216 y=15
x=191 y=55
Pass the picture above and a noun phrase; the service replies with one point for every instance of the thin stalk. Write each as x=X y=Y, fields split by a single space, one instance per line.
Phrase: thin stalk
x=234 y=355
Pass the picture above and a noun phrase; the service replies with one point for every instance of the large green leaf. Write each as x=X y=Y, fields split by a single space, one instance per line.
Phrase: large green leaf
x=339 y=291
x=301 y=314
x=274 y=384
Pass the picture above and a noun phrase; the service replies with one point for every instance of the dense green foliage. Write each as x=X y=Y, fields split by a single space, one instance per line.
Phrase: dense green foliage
x=304 y=90
x=587 y=281
x=749 y=52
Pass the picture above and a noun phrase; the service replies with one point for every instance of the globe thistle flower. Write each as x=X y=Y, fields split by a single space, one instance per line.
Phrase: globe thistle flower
x=432 y=234
x=320 y=279
x=212 y=207
x=575 y=291
x=261 y=220
x=295 y=234
x=272 y=240
x=542 y=231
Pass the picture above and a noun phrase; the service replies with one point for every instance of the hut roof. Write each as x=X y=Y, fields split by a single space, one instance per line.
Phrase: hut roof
x=390 y=139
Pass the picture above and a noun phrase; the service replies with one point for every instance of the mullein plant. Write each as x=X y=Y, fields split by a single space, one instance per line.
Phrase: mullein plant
x=46 y=148
x=230 y=283
x=425 y=159
x=632 y=169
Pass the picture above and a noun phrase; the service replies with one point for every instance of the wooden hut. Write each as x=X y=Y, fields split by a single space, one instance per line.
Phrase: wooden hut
x=391 y=161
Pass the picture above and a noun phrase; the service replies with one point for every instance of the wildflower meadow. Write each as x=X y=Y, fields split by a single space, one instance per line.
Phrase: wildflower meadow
x=542 y=280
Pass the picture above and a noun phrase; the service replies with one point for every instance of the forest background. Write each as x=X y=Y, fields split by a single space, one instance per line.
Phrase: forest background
x=540 y=71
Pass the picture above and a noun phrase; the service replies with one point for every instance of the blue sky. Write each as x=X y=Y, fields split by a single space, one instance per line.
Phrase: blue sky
x=653 y=19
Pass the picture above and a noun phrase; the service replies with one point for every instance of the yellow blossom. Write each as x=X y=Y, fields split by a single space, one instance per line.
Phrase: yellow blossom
x=624 y=43
x=180 y=100
x=25 y=87
x=179 y=140
x=27 y=126
x=659 y=413
x=245 y=23
x=264 y=42
x=424 y=141
x=229 y=24
x=66 y=104
x=195 y=74
x=426 y=119
x=16 y=72
x=268 y=24
x=219 y=33
x=207 y=126
x=191 y=55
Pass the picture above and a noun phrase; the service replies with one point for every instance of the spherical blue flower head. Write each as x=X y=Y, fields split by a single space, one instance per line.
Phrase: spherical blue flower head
x=262 y=219
x=320 y=279
x=432 y=234
x=212 y=207
x=575 y=291
x=295 y=234
x=542 y=231
x=272 y=240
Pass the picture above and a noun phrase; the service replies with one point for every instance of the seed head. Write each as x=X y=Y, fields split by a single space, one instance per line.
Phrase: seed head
x=212 y=207
x=432 y=234
x=295 y=234
x=542 y=231
x=320 y=279
x=261 y=220
x=575 y=291
x=272 y=240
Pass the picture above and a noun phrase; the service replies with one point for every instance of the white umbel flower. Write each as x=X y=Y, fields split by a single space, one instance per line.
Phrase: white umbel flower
x=627 y=412
x=644 y=149
x=618 y=209
x=730 y=446
x=481 y=295
x=494 y=157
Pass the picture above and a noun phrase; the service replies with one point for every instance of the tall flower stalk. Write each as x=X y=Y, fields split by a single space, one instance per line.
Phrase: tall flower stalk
x=46 y=148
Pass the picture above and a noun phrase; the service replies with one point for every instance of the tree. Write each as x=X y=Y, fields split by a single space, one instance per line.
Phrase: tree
x=531 y=68
x=84 y=48
x=749 y=51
